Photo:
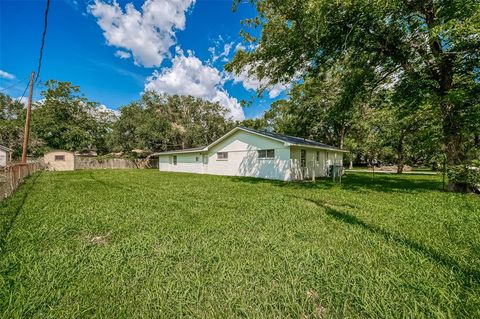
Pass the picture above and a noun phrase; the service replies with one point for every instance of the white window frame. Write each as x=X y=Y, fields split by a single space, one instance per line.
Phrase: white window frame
x=222 y=156
x=264 y=154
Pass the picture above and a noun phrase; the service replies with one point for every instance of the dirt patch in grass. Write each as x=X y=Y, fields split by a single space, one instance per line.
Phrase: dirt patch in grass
x=99 y=239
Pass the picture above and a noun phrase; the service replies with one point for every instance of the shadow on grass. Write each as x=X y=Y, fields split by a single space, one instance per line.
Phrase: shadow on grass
x=361 y=182
x=116 y=185
x=466 y=272
x=12 y=206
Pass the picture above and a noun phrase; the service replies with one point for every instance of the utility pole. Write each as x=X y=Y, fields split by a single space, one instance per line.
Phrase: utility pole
x=26 y=132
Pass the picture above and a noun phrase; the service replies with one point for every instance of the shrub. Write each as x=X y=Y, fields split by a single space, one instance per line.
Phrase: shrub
x=466 y=175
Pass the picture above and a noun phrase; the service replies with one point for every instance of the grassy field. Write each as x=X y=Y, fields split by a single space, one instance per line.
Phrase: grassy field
x=140 y=243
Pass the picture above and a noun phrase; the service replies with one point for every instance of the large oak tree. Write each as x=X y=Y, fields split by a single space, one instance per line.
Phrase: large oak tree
x=432 y=46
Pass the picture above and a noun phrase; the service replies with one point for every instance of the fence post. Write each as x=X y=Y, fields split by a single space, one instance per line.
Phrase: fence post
x=14 y=176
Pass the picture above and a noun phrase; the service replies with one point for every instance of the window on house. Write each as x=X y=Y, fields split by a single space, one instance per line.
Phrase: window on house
x=174 y=159
x=266 y=154
x=222 y=155
x=59 y=158
x=318 y=156
x=196 y=159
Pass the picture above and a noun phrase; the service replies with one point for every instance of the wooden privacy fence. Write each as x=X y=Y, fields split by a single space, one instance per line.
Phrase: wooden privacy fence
x=13 y=175
x=113 y=163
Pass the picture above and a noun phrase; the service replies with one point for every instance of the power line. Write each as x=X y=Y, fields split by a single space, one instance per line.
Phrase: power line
x=24 y=91
x=11 y=86
x=45 y=23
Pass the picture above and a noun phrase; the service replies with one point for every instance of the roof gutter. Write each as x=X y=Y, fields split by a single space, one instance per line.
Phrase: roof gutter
x=180 y=152
x=317 y=147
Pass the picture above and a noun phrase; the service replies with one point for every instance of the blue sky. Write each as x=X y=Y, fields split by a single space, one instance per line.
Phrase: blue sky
x=184 y=52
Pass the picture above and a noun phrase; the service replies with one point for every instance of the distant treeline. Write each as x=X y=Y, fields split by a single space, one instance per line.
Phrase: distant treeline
x=368 y=124
x=65 y=119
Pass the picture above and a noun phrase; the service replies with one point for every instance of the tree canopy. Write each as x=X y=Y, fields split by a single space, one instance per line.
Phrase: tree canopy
x=65 y=119
x=159 y=122
x=12 y=119
x=426 y=47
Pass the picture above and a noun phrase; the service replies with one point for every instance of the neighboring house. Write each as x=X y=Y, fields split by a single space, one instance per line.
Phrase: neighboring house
x=5 y=156
x=248 y=152
x=59 y=161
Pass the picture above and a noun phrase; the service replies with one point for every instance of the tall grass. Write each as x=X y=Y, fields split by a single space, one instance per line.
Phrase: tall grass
x=140 y=243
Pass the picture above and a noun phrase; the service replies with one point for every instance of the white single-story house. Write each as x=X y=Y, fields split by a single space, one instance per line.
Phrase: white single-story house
x=5 y=156
x=248 y=152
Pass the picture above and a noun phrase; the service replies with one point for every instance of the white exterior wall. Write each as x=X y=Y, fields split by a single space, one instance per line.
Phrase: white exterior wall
x=67 y=165
x=242 y=148
x=3 y=158
x=186 y=163
x=313 y=167
x=243 y=158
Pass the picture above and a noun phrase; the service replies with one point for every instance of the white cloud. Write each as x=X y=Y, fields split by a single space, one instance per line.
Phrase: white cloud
x=251 y=82
x=6 y=75
x=241 y=47
x=147 y=34
x=122 y=54
x=23 y=100
x=104 y=111
x=189 y=76
x=227 y=47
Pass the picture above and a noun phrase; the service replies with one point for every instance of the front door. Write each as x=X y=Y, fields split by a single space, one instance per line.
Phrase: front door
x=303 y=162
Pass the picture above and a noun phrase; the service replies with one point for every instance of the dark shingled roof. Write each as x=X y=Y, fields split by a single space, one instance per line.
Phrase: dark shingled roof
x=284 y=138
x=289 y=139
x=185 y=150
x=191 y=149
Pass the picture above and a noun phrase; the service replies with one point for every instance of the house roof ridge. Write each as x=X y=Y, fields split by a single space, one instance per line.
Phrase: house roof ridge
x=289 y=138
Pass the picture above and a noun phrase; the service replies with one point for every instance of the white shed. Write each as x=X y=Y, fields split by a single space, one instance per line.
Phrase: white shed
x=59 y=161
x=5 y=156
x=248 y=152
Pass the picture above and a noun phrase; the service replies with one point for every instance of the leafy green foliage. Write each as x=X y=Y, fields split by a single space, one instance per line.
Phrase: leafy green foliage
x=372 y=126
x=426 y=50
x=162 y=122
x=256 y=124
x=66 y=120
x=12 y=121
x=318 y=109
x=141 y=243
x=466 y=174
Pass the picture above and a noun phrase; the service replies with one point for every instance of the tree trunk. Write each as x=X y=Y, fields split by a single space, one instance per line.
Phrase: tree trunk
x=341 y=137
x=350 y=165
x=452 y=132
x=443 y=73
x=400 y=154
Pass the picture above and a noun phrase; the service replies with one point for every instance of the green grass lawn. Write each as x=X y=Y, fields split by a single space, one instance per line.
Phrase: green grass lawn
x=141 y=243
